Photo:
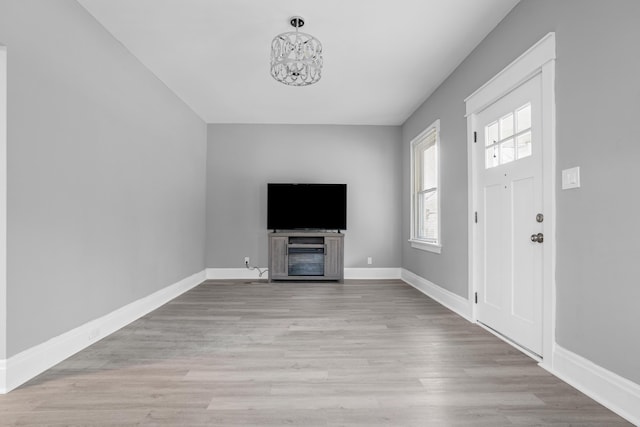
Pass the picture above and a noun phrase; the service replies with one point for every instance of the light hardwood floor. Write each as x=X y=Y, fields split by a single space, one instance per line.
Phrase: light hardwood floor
x=362 y=353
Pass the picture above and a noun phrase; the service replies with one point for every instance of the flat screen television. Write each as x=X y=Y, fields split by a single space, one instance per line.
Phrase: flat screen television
x=307 y=206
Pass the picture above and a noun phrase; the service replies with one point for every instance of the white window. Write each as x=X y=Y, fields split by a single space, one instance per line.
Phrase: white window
x=425 y=192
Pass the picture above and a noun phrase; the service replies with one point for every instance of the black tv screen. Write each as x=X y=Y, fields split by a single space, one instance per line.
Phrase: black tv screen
x=307 y=206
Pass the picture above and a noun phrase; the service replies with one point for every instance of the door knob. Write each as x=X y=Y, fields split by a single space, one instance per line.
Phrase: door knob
x=537 y=237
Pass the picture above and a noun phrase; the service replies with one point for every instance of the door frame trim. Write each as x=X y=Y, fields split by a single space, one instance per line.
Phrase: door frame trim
x=539 y=59
x=3 y=210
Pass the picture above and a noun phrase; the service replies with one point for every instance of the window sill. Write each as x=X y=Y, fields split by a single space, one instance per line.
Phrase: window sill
x=424 y=246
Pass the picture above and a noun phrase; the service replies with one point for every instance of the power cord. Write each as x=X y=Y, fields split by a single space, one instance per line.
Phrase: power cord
x=251 y=267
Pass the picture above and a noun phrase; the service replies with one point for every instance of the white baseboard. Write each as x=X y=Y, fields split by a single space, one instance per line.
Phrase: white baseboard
x=372 y=273
x=3 y=376
x=452 y=301
x=349 y=273
x=605 y=387
x=234 y=274
x=27 y=364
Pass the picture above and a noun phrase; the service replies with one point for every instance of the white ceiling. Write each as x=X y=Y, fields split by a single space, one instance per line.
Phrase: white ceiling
x=382 y=58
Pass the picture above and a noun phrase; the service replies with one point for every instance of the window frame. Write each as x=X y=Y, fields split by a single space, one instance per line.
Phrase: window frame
x=415 y=241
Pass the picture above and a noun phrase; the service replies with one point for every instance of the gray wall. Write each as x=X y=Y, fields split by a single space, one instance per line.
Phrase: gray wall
x=242 y=159
x=597 y=92
x=106 y=197
x=3 y=203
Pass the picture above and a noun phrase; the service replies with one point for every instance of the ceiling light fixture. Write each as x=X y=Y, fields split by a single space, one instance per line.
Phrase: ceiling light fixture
x=296 y=58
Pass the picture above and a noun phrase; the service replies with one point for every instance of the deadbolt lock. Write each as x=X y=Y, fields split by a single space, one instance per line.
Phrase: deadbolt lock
x=539 y=217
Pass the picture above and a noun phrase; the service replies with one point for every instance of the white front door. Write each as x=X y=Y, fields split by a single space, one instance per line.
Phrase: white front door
x=509 y=201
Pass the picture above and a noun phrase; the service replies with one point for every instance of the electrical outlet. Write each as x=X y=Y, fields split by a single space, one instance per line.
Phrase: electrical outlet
x=247 y=260
x=369 y=260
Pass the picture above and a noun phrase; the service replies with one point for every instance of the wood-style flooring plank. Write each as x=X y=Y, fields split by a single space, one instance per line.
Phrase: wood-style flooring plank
x=362 y=353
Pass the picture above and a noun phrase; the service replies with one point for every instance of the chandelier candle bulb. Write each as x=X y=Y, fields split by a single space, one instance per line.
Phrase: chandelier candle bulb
x=296 y=58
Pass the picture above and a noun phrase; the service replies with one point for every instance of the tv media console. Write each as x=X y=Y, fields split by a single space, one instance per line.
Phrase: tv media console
x=300 y=255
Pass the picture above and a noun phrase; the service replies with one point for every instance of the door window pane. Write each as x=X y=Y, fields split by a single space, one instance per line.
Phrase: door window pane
x=523 y=145
x=523 y=118
x=492 y=134
x=492 y=159
x=507 y=152
x=506 y=126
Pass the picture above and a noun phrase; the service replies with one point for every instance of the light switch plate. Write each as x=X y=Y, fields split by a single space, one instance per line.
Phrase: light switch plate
x=571 y=178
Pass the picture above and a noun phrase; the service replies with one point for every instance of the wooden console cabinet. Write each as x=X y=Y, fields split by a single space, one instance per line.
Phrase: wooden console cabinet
x=306 y=256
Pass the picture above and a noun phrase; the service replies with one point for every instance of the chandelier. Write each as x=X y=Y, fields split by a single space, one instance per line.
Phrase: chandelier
x=296 y=58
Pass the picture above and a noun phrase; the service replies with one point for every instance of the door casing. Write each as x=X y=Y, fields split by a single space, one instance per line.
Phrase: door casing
x=3 y=215
x=539 y=59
